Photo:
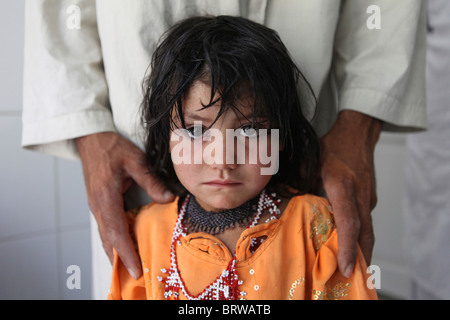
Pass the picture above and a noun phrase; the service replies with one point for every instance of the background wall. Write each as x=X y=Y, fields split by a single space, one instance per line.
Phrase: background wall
x=44 y=219
x=388 y=216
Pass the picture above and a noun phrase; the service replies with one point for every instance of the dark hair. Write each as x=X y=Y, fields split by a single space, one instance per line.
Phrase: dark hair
x=230 y=53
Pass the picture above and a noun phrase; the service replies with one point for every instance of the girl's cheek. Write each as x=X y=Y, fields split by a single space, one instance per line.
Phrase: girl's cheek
x=180 y=148
x=268 y=155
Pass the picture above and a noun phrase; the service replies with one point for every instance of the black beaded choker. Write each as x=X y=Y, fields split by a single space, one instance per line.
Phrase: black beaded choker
x=198 y=219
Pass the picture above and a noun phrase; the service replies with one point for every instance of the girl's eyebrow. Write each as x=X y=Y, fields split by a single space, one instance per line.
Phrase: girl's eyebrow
x=195 y=116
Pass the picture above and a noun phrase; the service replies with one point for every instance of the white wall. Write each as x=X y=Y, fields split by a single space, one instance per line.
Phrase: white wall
x=44 y=218
x=387 y=216
x=44 y=221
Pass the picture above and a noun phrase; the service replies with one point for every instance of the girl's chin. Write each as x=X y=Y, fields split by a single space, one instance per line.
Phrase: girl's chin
x=224 y=203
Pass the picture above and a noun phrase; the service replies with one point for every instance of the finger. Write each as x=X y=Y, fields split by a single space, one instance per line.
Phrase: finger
x=367 y=242
x=125 y=248
x=107 y=247
x=117 y=233
x=155 y=189
x=367 y=236
x=347 y=225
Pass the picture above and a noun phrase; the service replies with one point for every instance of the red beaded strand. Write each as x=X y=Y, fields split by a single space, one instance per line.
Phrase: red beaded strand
x=225 y=286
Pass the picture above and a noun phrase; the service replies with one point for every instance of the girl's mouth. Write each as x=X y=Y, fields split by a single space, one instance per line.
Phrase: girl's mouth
x=223 y=183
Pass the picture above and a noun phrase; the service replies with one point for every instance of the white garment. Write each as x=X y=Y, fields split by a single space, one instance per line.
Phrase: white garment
x=427 y=185
x=88 y=80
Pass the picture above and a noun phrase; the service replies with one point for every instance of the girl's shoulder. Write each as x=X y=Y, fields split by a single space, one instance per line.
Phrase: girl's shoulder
x=154 y=214
x=311 y=205
x=315 y=216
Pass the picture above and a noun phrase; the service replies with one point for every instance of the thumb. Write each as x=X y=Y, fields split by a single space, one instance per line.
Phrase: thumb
x=154 y=187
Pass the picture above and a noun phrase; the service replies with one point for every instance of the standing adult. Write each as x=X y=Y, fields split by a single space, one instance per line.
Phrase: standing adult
x=83 y=90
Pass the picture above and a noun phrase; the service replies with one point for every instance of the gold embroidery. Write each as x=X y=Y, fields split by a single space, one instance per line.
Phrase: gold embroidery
x=319 y=295
x=294 y=286
x=320 y=227
x=337 y=292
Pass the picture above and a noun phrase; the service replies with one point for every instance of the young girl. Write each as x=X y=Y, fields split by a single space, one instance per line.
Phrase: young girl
x=234 y=232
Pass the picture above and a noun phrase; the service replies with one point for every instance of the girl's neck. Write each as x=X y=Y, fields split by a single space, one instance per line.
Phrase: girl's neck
x=199 y=220
x=214 y=222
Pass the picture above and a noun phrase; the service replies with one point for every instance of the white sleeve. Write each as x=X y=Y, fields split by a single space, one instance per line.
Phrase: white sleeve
x=381 y=72
x=65 y=94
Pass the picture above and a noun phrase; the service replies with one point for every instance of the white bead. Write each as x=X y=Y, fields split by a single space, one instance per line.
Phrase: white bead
x=214 y=290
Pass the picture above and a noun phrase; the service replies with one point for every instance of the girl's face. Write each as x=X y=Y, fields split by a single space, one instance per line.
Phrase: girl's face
x=210 y=170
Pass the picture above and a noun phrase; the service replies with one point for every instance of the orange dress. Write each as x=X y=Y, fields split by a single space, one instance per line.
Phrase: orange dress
x=297 y=259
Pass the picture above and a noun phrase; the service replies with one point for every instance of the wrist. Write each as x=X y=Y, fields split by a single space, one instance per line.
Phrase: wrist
x=93 y=137
x=95 y=141
x=360 y=127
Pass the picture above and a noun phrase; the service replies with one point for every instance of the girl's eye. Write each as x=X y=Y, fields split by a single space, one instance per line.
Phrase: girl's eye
x=195 y=132
x=248 y=131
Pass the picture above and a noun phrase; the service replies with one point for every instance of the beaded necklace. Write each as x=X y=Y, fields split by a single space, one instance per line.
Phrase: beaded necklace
x=224 y=287
x=198 y=219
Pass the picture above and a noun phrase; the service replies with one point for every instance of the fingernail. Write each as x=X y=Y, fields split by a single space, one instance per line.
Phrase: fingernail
x=133 y=274
x=348 y=271
x=167 y=194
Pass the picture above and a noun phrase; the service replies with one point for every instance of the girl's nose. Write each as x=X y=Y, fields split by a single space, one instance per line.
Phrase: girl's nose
x=220 y=153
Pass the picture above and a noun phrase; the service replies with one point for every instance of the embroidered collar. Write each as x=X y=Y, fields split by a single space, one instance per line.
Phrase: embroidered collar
x=198 y=219
x=225 y=287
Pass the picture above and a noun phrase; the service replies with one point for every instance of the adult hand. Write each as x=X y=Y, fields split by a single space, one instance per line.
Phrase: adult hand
x=348 y=177
x=111 y=164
